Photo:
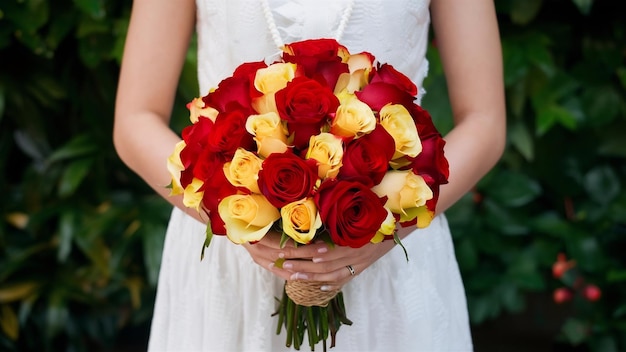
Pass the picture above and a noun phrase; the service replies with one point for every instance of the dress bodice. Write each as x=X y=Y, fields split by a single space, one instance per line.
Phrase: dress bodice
x=231 y=32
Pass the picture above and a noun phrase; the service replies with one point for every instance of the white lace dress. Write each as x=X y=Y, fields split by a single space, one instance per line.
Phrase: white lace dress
x=225 y=302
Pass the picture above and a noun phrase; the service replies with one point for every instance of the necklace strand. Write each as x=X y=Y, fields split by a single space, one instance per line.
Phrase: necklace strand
x=271 y=24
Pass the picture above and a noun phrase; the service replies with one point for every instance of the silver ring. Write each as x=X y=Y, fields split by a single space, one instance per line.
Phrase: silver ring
x=351 y=270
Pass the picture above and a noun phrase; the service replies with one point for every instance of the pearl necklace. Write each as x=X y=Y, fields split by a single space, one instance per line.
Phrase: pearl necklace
x=271 y=24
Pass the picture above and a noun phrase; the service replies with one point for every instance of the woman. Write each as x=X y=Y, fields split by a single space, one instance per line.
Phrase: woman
x=225 y=302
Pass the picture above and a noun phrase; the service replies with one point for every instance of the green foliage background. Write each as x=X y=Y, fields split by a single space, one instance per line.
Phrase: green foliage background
x=81 y=235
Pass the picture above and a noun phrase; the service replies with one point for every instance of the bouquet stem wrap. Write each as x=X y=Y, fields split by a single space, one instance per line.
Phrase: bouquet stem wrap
x=308 y=293
x=306 y=308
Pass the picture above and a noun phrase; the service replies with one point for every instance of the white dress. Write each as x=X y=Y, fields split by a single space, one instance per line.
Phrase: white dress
x=225 y=302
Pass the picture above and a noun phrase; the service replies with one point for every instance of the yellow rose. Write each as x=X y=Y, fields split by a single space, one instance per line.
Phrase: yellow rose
x=198 y=108
x=353 y=119
x=327 y=150
x=274 y=77
x=243 y=170
x=406 y=193
x=247 y=217
x=191 y=197
x=301 y=220
x=270 y=133
x=270 y=80
x=386 y=228
x=175 y=167
x=360 y=67
x=398 y=122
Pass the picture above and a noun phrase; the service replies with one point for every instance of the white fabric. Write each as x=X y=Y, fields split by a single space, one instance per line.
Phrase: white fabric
x=225 y=302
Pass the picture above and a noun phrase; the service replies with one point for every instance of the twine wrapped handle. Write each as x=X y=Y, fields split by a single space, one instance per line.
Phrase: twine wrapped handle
x=308 y=293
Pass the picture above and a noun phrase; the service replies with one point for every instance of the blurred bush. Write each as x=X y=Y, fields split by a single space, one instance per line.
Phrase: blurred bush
x=559 y=189
x=81 y=235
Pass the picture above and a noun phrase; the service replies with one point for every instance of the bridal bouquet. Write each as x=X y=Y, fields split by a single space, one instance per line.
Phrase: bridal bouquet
x=321 y=144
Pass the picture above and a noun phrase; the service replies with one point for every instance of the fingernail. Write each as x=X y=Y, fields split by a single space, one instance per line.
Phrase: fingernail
x=322 y=250
x=287 y=265
x=317 y=260
x=270 y=266
x=325 y=288
x=298 y=276
x=281 y=255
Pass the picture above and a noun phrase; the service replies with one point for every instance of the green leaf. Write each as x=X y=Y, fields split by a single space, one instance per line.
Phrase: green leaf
x=207 y=239
x=73 y=176
x=587 y=251
x=467 y=255
x=522 y=140
x=9 y=323
x=537 y=51
x=57 y=313
x=621 y=73
x=67 y=227
x=80 y=145
x=94 y=8
x=575 y=331
x=397 y=241
x=10 y=292
x=616 y=275
x=514 y=59
x=613 y=142
x=604 y=344
x=513 y=189
x=601 y=104
x=524 y=11
x=584 y=6
x=620 y=311
x=153 y=235
x=602 y=184
x=503 y=220
x=482 y=308
x=27 y=15
x=552 y=115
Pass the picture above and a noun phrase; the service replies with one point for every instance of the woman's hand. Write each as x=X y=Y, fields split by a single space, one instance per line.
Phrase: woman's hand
x=316 y=261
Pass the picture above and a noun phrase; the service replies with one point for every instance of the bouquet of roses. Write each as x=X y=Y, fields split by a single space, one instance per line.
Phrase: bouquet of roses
x=318 y=145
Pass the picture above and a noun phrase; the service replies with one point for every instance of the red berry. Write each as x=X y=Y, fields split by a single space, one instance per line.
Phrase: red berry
x=562 y=295
x=561 y=265
x=592 y=293
x=559 y=268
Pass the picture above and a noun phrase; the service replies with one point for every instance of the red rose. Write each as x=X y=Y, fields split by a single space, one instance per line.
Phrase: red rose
x=431 y=163
x=231 y=93
x=286 y=178
x=388 y=74
x=248 y=69
x=378 y=94
x=229 y=133
x=368 y=157
x=424 y=122
x=305 y=104
x=320 y=49
x=318 y=58
x=350 y=211
x=216 y=188
x=195 y=137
